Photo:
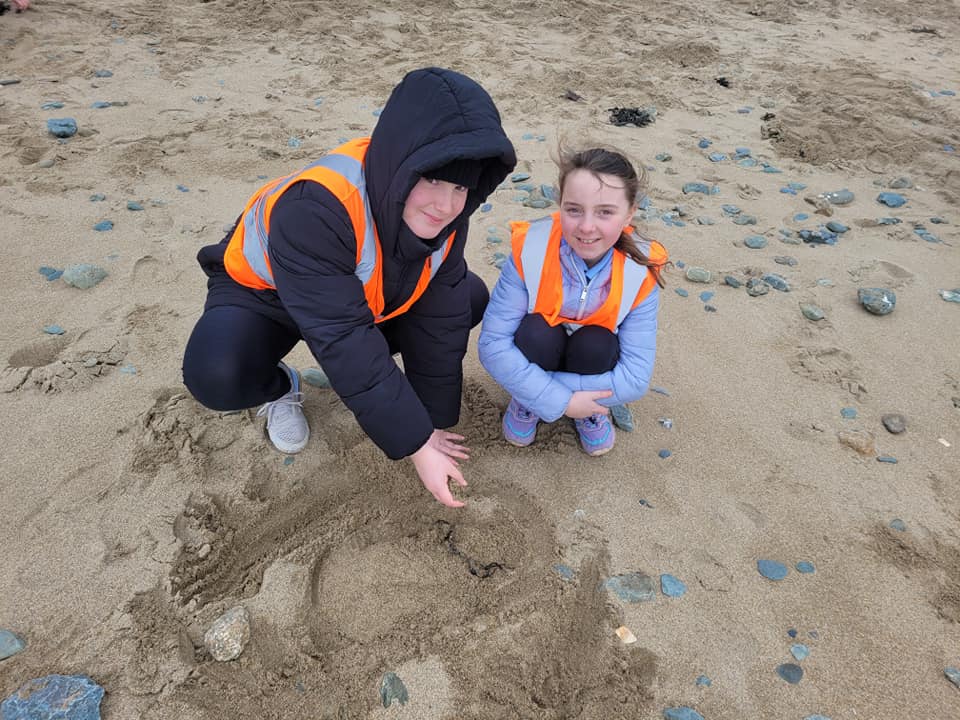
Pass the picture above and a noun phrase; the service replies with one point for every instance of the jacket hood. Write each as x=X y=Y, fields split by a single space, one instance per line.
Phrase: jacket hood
x=434 y=116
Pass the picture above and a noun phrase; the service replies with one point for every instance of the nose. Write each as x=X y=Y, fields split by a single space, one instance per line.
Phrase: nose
x=443 y=200
x=586 y=222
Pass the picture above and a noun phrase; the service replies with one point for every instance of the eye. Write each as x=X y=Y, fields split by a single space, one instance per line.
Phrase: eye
x=462 y=189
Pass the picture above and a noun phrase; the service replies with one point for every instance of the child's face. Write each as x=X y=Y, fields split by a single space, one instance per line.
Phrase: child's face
x=593 y=212
x=432 y=205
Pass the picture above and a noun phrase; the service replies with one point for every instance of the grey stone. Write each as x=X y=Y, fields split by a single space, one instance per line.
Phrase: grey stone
x=632 y=587
x=894 y=423
x=879 y=301
x=84 y=275
x=757 y=287
x=10 y=644
x=698 y=274
x=392 y=688
x=811 y=311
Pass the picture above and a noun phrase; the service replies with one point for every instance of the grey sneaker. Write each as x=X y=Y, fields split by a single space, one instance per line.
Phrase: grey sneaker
x=286 y=423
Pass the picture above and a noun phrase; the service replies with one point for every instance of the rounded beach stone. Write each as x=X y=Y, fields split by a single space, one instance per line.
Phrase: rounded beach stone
x=229 y=634
x=62 y=127
x=757 y=287
x=772 y=570
x=894 y=423
x=84 y=275
x=811 y=311
x=698 y=274
x=879 y=301
x=791 y=672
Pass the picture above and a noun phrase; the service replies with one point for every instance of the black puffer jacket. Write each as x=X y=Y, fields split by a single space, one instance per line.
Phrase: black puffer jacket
x=433 y=117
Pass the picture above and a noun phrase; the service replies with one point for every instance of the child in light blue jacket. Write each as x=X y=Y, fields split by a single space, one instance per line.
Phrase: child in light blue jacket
x=572 y=322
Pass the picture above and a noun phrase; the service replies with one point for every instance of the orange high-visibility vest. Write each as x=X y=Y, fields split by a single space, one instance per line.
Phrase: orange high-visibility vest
x=536 y=253
x=341 y=172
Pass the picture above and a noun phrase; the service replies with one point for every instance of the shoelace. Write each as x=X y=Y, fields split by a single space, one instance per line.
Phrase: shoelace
x=290 y=399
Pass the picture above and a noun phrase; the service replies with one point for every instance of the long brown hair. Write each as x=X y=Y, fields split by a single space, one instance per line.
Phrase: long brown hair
x=600 y=160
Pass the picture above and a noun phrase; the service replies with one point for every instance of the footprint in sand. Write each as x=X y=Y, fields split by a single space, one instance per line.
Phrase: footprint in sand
x=829 y=365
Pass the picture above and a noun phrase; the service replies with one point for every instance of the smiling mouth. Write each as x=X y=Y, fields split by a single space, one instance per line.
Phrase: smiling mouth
x=433 y=218
x=582 y=241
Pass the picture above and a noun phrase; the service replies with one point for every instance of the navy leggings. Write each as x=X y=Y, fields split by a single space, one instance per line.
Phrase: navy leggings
x=231 y=359
x=591 y=350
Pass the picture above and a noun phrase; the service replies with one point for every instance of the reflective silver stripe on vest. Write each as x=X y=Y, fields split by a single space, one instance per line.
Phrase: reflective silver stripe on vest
x=532 y=256
x=254 y=222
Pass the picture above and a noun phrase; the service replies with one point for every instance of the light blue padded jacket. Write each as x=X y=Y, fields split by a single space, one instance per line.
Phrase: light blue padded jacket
x=546 y=393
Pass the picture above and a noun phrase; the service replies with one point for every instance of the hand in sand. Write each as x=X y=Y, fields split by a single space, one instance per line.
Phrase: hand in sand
x=20 y=5
x=436 y=464
x=584 y=404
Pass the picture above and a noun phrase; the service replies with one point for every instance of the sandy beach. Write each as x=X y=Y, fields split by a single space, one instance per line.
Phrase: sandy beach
x=133 y=518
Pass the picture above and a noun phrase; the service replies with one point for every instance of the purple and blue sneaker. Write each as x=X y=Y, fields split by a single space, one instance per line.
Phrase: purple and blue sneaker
x=596 y=434
x=519 y=424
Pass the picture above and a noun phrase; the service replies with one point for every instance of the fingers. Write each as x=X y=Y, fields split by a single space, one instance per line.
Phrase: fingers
x=458 y=476
x=445 y=498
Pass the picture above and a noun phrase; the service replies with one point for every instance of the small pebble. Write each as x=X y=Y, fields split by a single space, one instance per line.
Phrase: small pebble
x=879 y=301
x=101 y=104
x=622 y=417
x=755 y=242
x=859 y=440
x=62 y=127
x=839 y=197
x=53 y=330
x=52 y=105
x=519 y=177
x=486 y=207
x=772 y=570
x=710 y=308
x=953 y=675
x=632 y=588
x=183 y=188
x=950 y=295
x=664 y=157
x=785 y=260
x=790 y=672
x=757 y=287
x=704 y=143
x=805 y=567
x=706 y=295
x=50 y=273
x=289 y=460
x=671 y=586
x=887 y=459
x=792 y=632
x=704 y=220
x=103 y=73
x=698 y=274
x=681 y=292
x=645 y=503
x=811 y=311
x=660 y=390
x=98 y=197
x=894 y=422
x=664 y=454
x=818 y=716
x=891 y=199
x=699 y=187
x=745 y=220
x=848 y=412
x=703 y=681
x=837 y=227
x=800 y=217
x=392 y=688
x=134 y=206
x=47 y=163
x=681 y=713
x=799 y=651
x=777 y=282
x=84 y=275
x=10 y=644
x=731 y=281
x=717 y=157
x=228 y=635
x=898 y=525
x=104 y=226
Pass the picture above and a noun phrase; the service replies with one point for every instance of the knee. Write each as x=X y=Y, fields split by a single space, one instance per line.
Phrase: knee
x=213 y=381
x=592 y=350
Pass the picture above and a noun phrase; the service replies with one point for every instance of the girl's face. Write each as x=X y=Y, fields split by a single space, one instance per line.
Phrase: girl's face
x=432 y=205
x=593 y=212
